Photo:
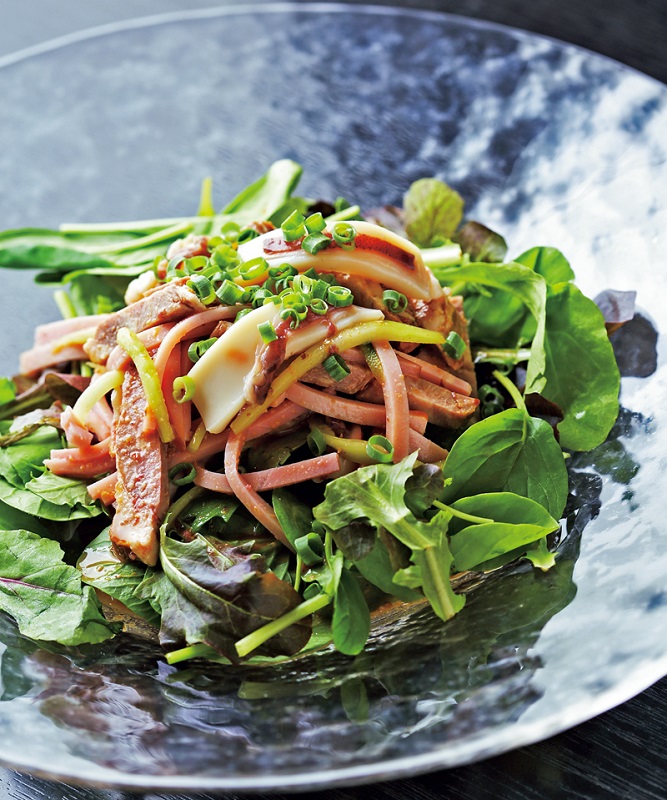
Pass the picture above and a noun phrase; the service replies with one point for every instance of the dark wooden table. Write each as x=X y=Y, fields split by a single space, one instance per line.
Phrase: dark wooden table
x=620 y=754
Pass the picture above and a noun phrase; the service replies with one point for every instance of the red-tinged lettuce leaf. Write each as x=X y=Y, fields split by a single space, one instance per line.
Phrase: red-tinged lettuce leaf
x=213 y=593
x=433 y=211
x=46 y=596
x=617 y=307
x=481 y=243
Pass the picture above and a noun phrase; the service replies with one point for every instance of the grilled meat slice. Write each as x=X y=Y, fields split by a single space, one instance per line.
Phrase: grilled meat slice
x=169 y=303
x=141 y=491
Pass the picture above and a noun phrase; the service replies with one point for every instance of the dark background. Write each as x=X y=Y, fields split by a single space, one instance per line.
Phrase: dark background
x=620 y=754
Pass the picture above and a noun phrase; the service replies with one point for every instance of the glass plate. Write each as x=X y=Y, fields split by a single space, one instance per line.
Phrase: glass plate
x=549 y=145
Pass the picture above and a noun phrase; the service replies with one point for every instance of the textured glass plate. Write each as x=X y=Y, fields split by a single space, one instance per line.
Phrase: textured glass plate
x=550 y=145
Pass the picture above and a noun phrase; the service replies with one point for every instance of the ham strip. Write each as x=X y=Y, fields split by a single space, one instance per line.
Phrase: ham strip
x=265 y=479
x=169 y=303
x=395 y=400
x=141 y=490
x=81 y=462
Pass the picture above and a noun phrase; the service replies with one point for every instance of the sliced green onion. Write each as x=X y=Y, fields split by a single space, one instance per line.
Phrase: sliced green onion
x=395 y=301
x=182 y=474
x=224 y=255
x=320 y=289
x=195 y=264
x=283 y=271
x=150 y=380
x=203 y=288
x=339 y=296
x=454 y=346
x=314 y=242
x=344 y=235
x=310 y=548
x=318 y=306
x=315 y=223
x=183 y=389
x=380 y=449
x=267 y=332
x=293 y=227
x=197 y=438
x=316 y=441
x=246 y=235
x=336 y=367
x=253 y=269
x=296 y=315
x=260 y=296
x=229 y=293
x=197 y=349
x=242 y=313
x=231 y=230
x=94 y=392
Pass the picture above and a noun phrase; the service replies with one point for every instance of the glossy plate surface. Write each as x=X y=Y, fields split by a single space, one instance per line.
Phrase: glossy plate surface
x=549 y=145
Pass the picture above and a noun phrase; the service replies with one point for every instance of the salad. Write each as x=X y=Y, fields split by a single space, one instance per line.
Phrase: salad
x=252 y=427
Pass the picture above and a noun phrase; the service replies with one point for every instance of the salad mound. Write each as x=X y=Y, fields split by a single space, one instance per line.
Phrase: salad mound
x=287 y=413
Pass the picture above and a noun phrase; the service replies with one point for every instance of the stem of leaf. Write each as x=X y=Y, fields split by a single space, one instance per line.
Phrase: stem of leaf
x=461 y=514
x=200 y=650
x=253 y=640
x=514 y=393
x=444 y=256
x=441 y=589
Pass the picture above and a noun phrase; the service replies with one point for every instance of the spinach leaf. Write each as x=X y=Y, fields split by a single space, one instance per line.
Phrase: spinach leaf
x=516 y=522
x=582 y=375
x=46 y=596
x=33 y=503
x=23 y=460
x=267 y=194
x=102 y=569
x=521 y=283
x=433 y=211
x=351 y=622
x=510 y=451
x=7 y=391
x=377 y=493
x=294 y=516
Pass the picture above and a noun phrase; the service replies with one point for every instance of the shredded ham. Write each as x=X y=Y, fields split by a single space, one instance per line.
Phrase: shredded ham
x=75 y=433
x=343 y=408
x=395 y=400
x=82 y=462
x=190 y=327
x=104 y=489
x=259 y=508
x=418 y=368
x=263 y=480
x=39 y=358
x=429 y=451
x=52 y=331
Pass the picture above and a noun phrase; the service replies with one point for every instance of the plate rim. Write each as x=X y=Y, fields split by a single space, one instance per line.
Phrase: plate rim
x=447 y=755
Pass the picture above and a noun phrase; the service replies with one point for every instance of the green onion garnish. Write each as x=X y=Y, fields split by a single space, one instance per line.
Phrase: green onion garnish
x=454 y=346
x=318 y=306
x=267 y=332
x=344 y=235
x=183 y=389
x=310 y=548
x=242 y=313
x=253 y=269
x=293 y=227
x=230 y=293
x=230 y=230
x=380 y=449
x=197 y=349
x=203 y=288
x=182 y=474
x=336 y=367
x=283 y=271
x=395 y=301
x=339 y=296
x=314 y=242
x=316 y=442
x=315 y=223
x=195 y=264
x=260 y=296
x=246 y=235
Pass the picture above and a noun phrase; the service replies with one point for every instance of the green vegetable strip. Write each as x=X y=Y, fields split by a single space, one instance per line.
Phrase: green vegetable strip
x=364 y=332
x=143 y=241
x=444 y=256
x=253 y=640
x=206 y=208
x=150 y=380
x=94 y=392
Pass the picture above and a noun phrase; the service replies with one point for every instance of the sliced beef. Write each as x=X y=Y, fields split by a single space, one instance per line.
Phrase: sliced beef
x=360 y=376
x=141 y=490
x=169 y=303
x=444 y=408
x=445 y=314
